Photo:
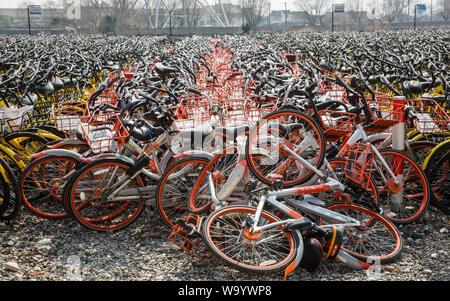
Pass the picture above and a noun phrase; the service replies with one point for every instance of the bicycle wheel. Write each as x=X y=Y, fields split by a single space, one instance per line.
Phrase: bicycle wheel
x=421 y=149
x=172 y=192
x=436 y=154
x=407 y=202
x=42 y=182
x=440 y=184
x=268 y=160
x=376 y=239
x=9 y=202
x=219 y=168
x=89 y=190
x=227 y=234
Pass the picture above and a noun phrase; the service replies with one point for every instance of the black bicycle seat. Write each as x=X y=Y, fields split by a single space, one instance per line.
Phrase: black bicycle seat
x=164 y=70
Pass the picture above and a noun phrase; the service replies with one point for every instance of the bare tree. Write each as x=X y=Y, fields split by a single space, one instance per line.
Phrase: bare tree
x=355 y=11
x=192 y=13
x=315 y=10
x=445 y=9
x=254 y=11
x=92 y=13
x=394 y=9
x=124 y=11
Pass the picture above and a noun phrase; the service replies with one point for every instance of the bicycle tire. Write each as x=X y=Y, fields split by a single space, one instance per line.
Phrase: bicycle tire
x=178 y=206
x=304 y=174
x=218 y=246
x=416 y=197
x=9 y=192
x=440 y=184
x=37 y=184
x=374 y=223
x=220 y=167
x=106 y=215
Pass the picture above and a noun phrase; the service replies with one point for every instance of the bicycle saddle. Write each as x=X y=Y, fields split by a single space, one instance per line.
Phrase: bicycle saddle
x=46 y=89
x=58 y=83
x=145 y=133
x=28 y=99
x=80 y=135
x=164 y=70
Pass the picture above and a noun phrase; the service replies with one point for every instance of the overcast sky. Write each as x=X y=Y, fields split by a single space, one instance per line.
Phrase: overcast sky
x=274 y=3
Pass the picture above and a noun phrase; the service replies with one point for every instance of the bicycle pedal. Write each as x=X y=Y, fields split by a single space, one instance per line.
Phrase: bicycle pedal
x=191 y=229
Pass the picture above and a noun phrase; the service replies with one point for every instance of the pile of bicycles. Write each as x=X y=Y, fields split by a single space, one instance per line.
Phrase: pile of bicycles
x=263 y=156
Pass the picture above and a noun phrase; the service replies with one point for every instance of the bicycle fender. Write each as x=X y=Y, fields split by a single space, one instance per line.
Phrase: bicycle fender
x=108 y=156
x=58 y=152
x=298 y=241
x=194 y=153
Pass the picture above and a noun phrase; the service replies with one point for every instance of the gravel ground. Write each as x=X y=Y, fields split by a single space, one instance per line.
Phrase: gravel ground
x=63 y=250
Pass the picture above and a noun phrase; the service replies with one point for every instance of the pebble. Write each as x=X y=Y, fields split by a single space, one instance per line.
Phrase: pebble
x=159 y=259
x=11 y=266
x=443 y=230
x=43 y=242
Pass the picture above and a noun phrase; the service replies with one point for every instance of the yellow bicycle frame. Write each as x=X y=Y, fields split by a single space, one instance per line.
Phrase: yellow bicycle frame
x=12 y=155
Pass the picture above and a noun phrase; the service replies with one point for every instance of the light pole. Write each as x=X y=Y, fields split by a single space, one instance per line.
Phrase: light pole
x=29 y=21
x=170 y=23
x=285 y=16
x=431 y=11
x=415 y=14
x=332 y=18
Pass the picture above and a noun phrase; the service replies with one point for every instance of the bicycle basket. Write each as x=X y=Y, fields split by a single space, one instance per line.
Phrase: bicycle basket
x=104 y=133
x=359 y=164
x=67 y=116
x=431 y=117
x=385 y=113
x=14 y=119
x=337 y=124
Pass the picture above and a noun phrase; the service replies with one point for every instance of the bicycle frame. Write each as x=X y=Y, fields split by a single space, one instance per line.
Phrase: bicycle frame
x=360 y=135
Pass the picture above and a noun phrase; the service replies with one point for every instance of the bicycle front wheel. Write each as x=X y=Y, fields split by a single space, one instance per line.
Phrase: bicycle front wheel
x=42 y=182
x=89 y=195
x=274 y=137
x=174 y=187
x=407 y=202
x=227 y=234
x=376 y=239
x=219 y=169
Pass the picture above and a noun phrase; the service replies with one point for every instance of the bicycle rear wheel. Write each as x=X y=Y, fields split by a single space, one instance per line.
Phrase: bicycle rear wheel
x=227 y=234
x=409 y=201
x=268 y=159
x=9 y=190
x=42 y=182
x=172 y=192
x=89 y=196
x=440 y=184
x=376 y=239
x=219 y=168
